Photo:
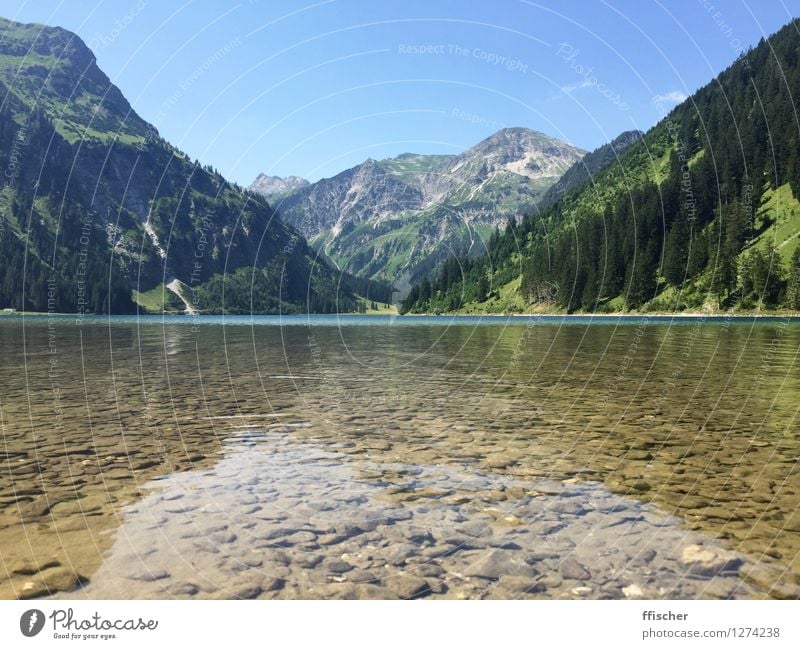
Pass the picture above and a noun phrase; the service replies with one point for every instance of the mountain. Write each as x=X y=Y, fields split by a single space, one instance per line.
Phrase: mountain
x=701 y=213
x=585 y=169
x=396 y=219
x=271 y=186
x=97 y=208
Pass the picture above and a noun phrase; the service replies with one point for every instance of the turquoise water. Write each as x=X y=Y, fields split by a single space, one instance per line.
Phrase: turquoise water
x=407 y=320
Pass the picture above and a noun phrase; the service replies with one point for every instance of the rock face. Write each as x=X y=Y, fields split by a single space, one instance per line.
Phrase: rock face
x=270 y=186
x=396 y=219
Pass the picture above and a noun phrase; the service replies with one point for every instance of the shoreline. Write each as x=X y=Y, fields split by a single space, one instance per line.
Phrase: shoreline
x=615 y=314
x=410 y=316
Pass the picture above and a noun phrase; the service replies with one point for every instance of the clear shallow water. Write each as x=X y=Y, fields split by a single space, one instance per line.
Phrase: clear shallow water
x=466 y=457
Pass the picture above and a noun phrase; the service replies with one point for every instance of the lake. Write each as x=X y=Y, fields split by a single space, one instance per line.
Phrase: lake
x=375 y=457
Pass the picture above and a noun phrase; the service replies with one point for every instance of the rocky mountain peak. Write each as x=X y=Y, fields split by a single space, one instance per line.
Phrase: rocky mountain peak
x=271 y=185
x=521 y=151
x=394 y=218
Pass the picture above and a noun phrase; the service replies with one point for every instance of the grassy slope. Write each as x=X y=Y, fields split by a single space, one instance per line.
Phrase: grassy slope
x=408 y=167
x=780 y=213
x=158 y=300
x=382 y=309
x=777 y=219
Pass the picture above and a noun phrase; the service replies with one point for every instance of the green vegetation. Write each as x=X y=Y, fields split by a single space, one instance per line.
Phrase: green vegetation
x=159 y=300
x=83 y=173
x=272 y=289
x=408 y=166
x=778 y=222
x=701 y=213
x=398 y=219
x=583 y=171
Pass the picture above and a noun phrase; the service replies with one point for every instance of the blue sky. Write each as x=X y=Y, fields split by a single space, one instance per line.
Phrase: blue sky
x=313 y=87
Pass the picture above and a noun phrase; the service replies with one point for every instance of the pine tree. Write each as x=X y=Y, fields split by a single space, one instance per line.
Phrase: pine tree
x=676 y=253
x=768 y=275
x=793 y=288
x=482 y=289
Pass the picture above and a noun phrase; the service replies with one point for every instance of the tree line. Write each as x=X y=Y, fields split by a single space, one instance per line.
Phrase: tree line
x=667 y=237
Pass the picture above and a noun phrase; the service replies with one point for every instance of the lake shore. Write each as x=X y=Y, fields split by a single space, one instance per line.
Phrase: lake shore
x=617 y=314
x=384 y=314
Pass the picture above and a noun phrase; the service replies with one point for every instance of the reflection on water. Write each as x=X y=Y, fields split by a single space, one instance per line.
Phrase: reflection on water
x=145 y=459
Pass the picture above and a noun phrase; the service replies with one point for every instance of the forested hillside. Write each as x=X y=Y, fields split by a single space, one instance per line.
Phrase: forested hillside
x=701 y=213
x=96 y=208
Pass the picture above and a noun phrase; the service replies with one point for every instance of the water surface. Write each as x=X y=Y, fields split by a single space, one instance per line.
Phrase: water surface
x=329 y=456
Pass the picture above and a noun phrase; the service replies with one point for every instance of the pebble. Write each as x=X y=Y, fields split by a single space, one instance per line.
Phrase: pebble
x=309 y=561
x=407 y=586
x=32 y=590
x=520 y=586
x=339 y=567
x=51 y=581
x=571 y=569
x=183 y=589
x=148 y=575
x=279 y=533
x=222 y=538
x=361 y=576
x=498 y=563
x=301 y=537
x=707 y=561
x=430 y=570
x=31 y=511
x=247 y=592
x=272 y=584
x=31 y=566
x=633 y=591
x=399 y=554
x=342 y=590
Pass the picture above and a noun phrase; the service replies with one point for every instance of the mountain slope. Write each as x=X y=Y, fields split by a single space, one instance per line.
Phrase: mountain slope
x=95 y=203
x=272 y=186
x=700 y=213
x=397 y=219
x=585 y=169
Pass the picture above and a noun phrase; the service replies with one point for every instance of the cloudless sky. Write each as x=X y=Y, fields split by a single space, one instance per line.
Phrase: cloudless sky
x=312 y=87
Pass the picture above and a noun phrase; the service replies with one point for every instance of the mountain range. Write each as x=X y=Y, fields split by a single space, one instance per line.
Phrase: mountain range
x=275 y=187
x=699 y=214
x=397 y=219
x=97 y=210
x=99 y=213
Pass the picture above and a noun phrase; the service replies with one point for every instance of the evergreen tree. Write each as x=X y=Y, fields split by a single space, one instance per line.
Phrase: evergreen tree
x=482 y=289
x=793 y=288
x=676 y=252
